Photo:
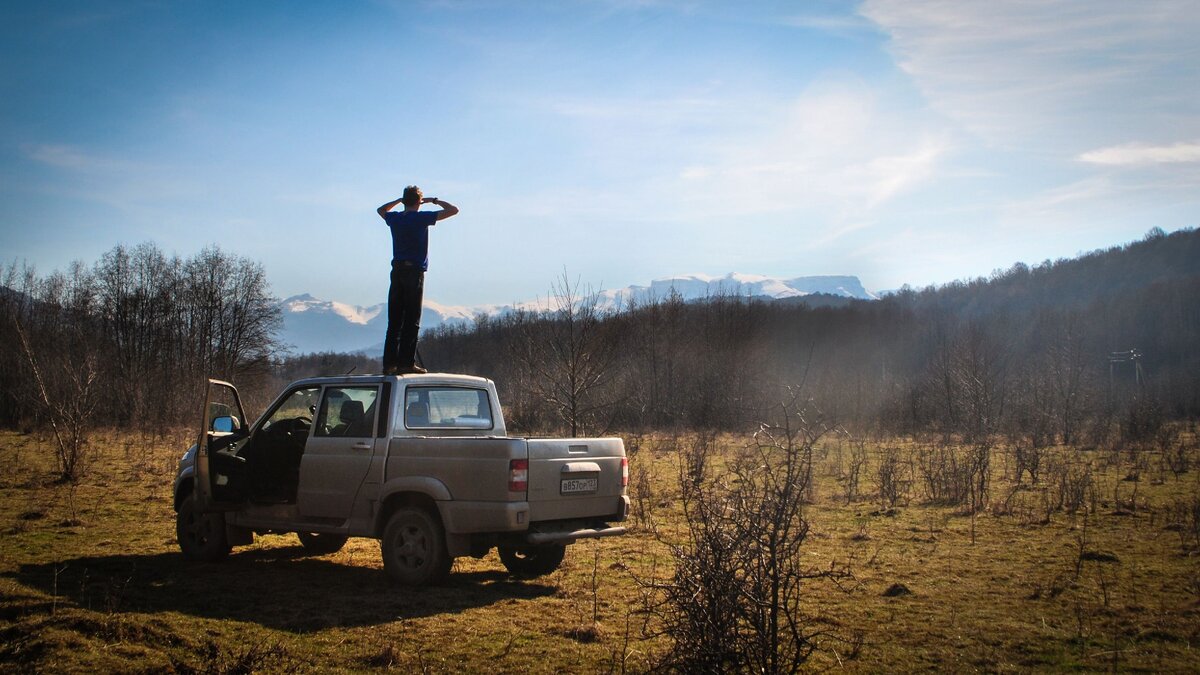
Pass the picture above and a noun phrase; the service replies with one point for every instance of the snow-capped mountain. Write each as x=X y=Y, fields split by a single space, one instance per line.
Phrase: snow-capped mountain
x=314 y=325
x=697 y=286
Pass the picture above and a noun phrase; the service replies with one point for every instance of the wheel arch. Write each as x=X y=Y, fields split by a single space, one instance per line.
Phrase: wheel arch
x=422 y=493
x=182 y=489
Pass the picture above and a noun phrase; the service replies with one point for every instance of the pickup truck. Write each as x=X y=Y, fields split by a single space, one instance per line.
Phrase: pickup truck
x=421 y=462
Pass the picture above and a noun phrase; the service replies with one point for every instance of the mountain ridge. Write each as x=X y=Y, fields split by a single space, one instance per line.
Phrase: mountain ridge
x=311 y=324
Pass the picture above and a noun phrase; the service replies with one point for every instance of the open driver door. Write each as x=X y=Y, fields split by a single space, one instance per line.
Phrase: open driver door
x=220 y=474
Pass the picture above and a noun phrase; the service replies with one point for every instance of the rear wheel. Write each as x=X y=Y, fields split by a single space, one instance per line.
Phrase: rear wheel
x=321 y=544
x=201 y=536
x=532 y=561
x=414 y=548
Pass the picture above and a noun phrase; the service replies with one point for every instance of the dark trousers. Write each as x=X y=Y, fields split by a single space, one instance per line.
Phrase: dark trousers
x=404 y=316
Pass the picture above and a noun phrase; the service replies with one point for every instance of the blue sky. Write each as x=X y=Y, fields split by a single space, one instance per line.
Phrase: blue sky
x=904 y=141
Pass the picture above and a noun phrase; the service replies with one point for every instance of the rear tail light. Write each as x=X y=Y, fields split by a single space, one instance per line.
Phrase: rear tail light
x=624 y=471
x=518 y=475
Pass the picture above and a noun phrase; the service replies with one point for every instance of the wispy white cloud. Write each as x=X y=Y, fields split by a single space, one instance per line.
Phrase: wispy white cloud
x=646 y=109
x=1060 y=101
x=123 y=183
x=1020 y=72
x=832 y=150
x=1054 y=203
x=831 y=154
x=833 y=234
x=70 y=157
x=1139 y=154
x=831 y=23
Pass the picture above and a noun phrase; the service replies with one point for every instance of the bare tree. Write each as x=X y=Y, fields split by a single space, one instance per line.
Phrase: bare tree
x=61 y=377
x=570 y=353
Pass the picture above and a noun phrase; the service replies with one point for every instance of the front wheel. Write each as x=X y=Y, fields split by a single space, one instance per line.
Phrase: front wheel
x=532 y=561
x=201 y=536
x=321 y=544
x=414 y=548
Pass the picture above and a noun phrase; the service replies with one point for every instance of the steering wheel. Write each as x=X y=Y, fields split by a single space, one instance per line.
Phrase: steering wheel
x=290 y=429
x=298 y=426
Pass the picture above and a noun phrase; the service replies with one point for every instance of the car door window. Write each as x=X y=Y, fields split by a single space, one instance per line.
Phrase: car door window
x=347 y=412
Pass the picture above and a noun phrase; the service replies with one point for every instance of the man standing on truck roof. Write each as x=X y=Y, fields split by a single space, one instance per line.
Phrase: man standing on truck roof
x=410 y=259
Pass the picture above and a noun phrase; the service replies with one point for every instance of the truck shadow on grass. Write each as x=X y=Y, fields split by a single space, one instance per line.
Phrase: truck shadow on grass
x=279 y=588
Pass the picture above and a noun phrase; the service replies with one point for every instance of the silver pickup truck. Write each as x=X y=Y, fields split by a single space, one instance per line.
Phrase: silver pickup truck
x=421 y=462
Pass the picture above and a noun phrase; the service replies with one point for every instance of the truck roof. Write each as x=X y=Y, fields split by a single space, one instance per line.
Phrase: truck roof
x=424 y=378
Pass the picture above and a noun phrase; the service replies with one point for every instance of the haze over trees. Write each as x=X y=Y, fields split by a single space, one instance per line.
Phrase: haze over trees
x=1024 y=352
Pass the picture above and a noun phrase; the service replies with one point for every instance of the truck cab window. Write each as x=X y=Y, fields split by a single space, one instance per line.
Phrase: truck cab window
x=447 y=408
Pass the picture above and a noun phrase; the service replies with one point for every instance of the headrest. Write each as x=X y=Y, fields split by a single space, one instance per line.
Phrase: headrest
x=352 y=411
x=418 y=411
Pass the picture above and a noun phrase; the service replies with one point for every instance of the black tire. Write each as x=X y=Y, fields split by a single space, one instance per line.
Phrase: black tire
x=321 y=544
x=414 y=548
x=201 y=536
x=532 y=561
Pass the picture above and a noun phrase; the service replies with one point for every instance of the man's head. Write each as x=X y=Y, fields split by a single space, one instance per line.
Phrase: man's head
x=412 y=197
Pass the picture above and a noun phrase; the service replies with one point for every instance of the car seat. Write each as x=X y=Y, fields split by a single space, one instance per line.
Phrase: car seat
x=417 y=415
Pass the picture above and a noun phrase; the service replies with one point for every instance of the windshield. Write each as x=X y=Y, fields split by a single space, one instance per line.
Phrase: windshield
x=301 y=403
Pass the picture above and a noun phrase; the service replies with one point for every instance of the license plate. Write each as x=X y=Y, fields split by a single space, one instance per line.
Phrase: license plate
x=578 y=485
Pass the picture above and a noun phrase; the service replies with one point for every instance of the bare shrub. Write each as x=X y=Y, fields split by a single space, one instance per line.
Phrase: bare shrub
x=1028 y=459
x=1183 y=516
x=891 y=481
x=696 y=458
x=858 y=460
x=943 y=476
x=1143 y=419
x=934 y=467
x=954 y=476
x=1036 y=509
x=733 y=602
x=1174 y=452
x=642 y=487
x=633 y=443
x=979 y=475
x=1073 y=485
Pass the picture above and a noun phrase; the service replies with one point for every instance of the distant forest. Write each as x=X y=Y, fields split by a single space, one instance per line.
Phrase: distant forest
x=1070 y=351
x=1078 y=351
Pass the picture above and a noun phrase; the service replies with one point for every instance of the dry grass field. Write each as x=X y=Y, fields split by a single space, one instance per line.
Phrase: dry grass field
x=1095 y=567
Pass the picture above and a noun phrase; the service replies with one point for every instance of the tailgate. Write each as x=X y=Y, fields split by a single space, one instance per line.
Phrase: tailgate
x=575 y=478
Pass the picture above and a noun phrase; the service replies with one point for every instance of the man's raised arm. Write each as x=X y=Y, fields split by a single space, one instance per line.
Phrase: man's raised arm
x=382 y=211
x=448 y=209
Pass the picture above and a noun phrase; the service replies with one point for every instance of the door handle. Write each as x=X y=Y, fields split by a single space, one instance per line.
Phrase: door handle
x=361 y=445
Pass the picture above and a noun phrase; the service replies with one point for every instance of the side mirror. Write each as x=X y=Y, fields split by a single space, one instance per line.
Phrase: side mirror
x=225 y=424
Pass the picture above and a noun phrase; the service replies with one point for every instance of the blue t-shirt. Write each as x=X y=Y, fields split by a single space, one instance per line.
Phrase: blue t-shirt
x=410 y=235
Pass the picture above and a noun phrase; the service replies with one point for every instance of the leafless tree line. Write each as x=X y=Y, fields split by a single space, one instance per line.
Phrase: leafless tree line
x=1021 y=355
x=126 y=342
x=903 y=365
